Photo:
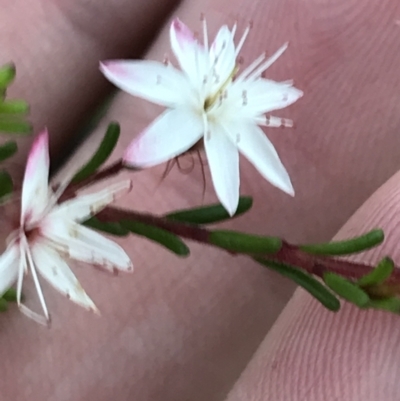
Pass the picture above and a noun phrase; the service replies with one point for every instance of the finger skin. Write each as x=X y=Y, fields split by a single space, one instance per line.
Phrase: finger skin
x=313 y=354
x=57 y=46
x=185 y=329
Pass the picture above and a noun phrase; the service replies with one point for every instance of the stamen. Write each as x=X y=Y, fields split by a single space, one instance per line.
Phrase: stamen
x=21 y=272
x=205 y=34
x=39 y=291
x=233 y=31
x=242 y=40
x=271 y=121
x=251 y=67
x=255 y=74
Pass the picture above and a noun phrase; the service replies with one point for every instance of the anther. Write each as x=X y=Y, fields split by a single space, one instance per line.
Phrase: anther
x=165 y=60
x=244 y=98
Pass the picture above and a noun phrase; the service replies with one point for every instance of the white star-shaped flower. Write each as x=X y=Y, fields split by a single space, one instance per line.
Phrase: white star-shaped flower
x=207 y=98
x=48 y=231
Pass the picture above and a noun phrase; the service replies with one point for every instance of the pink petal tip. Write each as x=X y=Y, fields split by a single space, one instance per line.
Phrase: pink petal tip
x=40 y=148
x=183 y=33
x=112 y=67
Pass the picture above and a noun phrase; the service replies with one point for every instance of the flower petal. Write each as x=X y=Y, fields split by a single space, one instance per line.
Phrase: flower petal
x=56 y=271
x=83 y=244
x=253 y=98
x=150 y=80
x=171 y=134
x=84 y=206
x=222 y=58
x=191 y=55
x=259 y=150
x=223 y=159
x=8 y=268
x=35 y=194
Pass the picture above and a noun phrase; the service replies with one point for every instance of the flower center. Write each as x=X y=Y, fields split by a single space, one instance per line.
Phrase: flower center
x=31 y=233
x=220 y=94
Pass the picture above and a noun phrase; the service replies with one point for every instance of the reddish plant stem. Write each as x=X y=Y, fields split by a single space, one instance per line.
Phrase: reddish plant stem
x=108 y=172
x=289 y=254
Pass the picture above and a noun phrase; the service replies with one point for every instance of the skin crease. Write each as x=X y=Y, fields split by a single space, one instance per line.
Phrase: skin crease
x=186 y=329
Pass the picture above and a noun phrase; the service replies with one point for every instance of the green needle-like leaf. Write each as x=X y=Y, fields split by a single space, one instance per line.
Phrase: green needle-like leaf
x=211 y=213
x=7 y=150
x=346 y=289
x=3 y=305
x=10 y=295
x=14 y=126
x=6 y=184
x=305 y=280
x=245 y=243
x=16 y=106
x=103 y=152
x=113 y=228
x=380 y=274
x=162 y=237
x=390 y=304
x=354 y=245
x=7 y=75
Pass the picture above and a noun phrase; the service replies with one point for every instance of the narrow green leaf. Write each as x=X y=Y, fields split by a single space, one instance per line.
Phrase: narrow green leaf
x=353 y=245
x=211 y=213
x=346 y=289
x=15 y=126
x=3 y=305
x=245 y=243
x=10 y=295
x=113 y=228
x=162 y=237
x=103 y=152
x=380 y=274
x=16 y=106
x=305 y=280
x=7 y=150
x=7 y=74
x=390 y=304
x=6 y=184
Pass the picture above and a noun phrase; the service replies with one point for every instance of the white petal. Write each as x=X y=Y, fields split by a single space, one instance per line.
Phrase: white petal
x=222 y=57
x=223 y=159
x=171 y=134
x=250 y=99
x=149 y=80
x=191 y=55
x=9 y=262
x=35 y=186
x=259 y=150
x=83 y=244
x=84 y=206
x=56 y=271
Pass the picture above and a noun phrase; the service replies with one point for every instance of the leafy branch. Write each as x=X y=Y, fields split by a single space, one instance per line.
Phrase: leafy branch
x=318 y=268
